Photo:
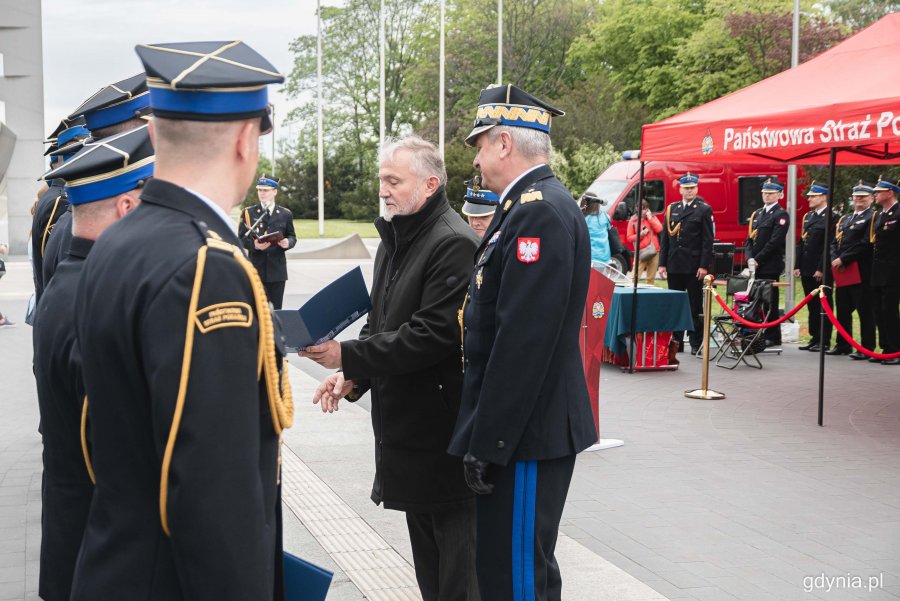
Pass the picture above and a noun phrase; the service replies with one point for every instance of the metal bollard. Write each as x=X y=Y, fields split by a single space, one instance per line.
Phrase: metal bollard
x=704 y=392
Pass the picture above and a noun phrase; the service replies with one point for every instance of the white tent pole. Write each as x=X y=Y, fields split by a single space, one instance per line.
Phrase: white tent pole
x=790 y=247
x=441 y=86
x=321 y=154
x=381 y=124
x=499 y=42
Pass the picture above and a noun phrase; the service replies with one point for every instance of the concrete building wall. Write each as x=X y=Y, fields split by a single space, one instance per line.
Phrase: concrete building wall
x=22 y=95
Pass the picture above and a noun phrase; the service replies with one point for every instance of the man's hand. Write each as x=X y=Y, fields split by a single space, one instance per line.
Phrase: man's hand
x=797 y=273
x=475 y=471
x=837 y=263
x=331 y=391
x=327 y=354
x=818 y=275
x=261 y=245
x=284 y=243
x=752 y=264
x=701 y=273
x=662 y=273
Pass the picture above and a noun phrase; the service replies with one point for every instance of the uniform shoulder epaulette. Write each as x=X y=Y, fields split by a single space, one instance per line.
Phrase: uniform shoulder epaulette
x=530 y=196
x=214 y=241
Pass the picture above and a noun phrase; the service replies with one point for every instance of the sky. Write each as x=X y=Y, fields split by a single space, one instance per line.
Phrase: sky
x=89 y=44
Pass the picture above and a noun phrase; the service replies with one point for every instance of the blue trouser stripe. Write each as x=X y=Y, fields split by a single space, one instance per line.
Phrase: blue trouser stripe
x=524 y=497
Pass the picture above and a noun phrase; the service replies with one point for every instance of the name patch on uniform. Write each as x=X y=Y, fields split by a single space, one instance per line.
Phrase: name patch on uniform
x=531 y=196
x=223 y=315
x=528 y=250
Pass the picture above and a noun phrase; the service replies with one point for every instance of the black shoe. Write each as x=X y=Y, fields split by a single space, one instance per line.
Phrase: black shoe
x=838 y=351
x=857 y=356
x=772 y=343
x=808 y=346
x=895 y=361
x=874 y=360
x=695 y=350
x=814 y=348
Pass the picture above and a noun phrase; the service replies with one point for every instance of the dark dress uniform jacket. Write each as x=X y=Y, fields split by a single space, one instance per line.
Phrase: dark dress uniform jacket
x=67 y=488
x=808 y=257
x=271 y=264
x=50 y=207
x=767 y=246
x=143 y=350
x=524 y=393
x=408 y=352
x=58 y=243
x=852 y=242
x=690 y=245
x=886 y=251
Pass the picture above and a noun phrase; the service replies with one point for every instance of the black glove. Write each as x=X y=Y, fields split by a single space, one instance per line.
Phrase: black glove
x=475 y=470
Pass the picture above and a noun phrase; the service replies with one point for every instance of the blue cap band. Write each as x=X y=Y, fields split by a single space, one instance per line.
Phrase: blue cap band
x=199 y=102
x=772 y=187
x=71 y=133
x=108 y=188
x=817 y=189
x=885 y=185
x=482 y=196
x=117 y=113
x=266 y=182
x=689 y=179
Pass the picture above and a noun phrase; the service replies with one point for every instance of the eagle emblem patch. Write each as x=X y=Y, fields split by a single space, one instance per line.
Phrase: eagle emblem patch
x=782 y=221
x=598 y=310
x=528 y=250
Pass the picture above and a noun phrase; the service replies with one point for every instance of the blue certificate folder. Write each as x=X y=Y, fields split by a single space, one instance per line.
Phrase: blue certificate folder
x=327 y=313
x=304 y=581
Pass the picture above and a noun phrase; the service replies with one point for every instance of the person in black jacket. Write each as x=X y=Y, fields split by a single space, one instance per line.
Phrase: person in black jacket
x=525 y=411
x=407 y=355
x=268 y=256
x=885 y=236
x=685 y=252
x=808 y=265
x=187 y=398
x=67 y=488
x=764 y=249
x=852 y=244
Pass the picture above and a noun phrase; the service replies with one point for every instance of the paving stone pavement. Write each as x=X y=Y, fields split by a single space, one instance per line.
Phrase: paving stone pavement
x=744 y=498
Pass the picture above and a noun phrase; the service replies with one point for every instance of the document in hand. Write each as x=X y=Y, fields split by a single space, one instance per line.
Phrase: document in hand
x=304 y=581
x=271 y=237
x=327 y=313
x=848 y=276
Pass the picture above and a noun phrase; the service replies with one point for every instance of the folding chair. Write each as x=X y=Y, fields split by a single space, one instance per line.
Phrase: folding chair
x=717 y=334
x=740 y=342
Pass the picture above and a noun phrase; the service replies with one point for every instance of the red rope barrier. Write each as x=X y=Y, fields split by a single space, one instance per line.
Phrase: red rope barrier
x=849 y=338
x=768 y=324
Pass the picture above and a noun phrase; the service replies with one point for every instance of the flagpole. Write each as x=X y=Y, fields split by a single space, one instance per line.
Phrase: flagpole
x=792 y=177
x=273 y=140
x=321 y=153
x=499 y=42
x=381 y=117
x=441 y=86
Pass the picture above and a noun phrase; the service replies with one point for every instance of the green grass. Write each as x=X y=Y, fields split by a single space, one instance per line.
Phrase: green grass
x=334 y=228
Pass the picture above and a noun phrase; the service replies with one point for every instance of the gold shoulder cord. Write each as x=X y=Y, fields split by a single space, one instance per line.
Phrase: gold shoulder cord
x=281 y=404
x=872 y=228
x=247 y=217
x=462 y=337
x=49 y=224
x=751 y=233
x=804 y=235
x=838 y=232
x=84 y=446
x=673 y=231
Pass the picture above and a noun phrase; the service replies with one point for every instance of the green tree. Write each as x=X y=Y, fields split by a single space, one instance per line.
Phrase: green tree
x=861 y=13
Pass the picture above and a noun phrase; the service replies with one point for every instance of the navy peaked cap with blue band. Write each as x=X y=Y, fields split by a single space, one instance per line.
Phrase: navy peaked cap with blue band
x=108 y=167
x=479 y=202
x=267 y=182
x=65 y=124
x=886 y=184
x=208 y=81
x=69 y=140
x=863 y=188
x=772 y=185
x=816 y=188
x=689 y=180
x=116 y=103
x=508 y=105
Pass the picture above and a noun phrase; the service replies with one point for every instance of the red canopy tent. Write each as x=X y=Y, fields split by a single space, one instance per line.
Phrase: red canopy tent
x=847 y=98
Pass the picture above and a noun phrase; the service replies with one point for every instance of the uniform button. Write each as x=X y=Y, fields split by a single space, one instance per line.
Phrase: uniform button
x=500 y=444
x=440 y=387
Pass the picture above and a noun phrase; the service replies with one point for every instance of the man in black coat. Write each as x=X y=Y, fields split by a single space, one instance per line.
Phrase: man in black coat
x=67 y=487
x=853 y=244
x=885 y=235
x=267 y=255
x=685 y=252
x=808 y=264
x=525 y=410
x=407 y=355
x=186 y=399
x=764 y=249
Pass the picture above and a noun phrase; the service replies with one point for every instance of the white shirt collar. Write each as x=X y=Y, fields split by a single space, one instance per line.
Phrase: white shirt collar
x=821 y=210
x=513 y=183
x=770 y=208
x=216 y=209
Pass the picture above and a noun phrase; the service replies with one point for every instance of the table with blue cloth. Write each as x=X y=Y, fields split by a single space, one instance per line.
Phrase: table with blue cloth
x=659 y=310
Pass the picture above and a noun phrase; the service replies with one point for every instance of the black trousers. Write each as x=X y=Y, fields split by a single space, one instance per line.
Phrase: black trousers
x=443 y=547
x=275 y=293
x=814 y=307
x=518 y=525
x=772 y=334
x=887 y=316
x=694 y=288
x=856 y=298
